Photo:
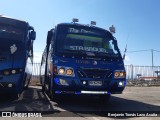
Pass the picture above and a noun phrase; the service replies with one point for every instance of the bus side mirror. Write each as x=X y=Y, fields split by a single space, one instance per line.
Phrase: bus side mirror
x=49 y=37
x=124 y=56
x=33 y=35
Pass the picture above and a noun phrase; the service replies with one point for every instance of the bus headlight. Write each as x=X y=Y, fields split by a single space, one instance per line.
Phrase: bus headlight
x=65 y=71
x=61 y=71
x=119 y=74
x=69 y=71
x=116 y=74
x=12 y=71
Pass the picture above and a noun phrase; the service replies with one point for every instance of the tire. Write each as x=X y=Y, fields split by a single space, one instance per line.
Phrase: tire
x=27 y=81
x=50 y=94
x=56 y=98
x=15 y=96
x=27 y=84
x=43 y=87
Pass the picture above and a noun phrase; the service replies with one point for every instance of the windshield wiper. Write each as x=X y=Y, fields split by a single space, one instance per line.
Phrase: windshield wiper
x=102 y=54
x=107 y=55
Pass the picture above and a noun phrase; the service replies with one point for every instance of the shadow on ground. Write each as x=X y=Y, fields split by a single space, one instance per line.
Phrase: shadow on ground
x=34 y=100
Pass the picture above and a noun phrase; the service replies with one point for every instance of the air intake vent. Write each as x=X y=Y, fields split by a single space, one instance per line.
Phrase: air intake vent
x=94 y=73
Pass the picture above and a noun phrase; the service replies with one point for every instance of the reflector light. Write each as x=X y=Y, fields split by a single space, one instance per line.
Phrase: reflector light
x=93 y=22
x=58 y=92
x=6 y=72
x=75 y=20
x=112 y=29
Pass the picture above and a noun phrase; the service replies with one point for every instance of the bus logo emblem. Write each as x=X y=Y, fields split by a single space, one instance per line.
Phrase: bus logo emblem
x=13 y=48
x=94 y=62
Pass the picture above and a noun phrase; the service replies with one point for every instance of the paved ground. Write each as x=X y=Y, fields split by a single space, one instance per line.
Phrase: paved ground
x=133 y=99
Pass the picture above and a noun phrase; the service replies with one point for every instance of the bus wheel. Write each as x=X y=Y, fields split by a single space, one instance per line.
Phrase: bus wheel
x=15 y=96
x=104 y=98
x=54 y=97
x=50 y=94
x=27 y=81
x=27 y=84
x=43 y=88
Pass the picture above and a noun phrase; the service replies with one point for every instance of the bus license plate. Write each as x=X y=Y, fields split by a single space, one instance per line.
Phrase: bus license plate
x=95 y=83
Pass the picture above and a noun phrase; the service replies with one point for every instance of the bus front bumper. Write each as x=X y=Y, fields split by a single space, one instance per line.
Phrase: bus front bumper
x=10 y=83
x=62 y=85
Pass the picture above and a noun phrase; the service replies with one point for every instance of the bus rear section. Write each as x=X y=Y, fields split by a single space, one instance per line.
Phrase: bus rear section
x=82 y=60
x=16 y=55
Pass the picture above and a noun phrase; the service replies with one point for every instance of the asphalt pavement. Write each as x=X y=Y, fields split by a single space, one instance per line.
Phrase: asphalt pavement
x=134 y=100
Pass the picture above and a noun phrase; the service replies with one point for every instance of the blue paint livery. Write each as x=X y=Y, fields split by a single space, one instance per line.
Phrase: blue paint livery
x=16 y=55
x=83 y=72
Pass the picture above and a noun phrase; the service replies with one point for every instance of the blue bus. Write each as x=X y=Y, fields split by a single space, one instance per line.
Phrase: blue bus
x=16 y=55
x=82 y=60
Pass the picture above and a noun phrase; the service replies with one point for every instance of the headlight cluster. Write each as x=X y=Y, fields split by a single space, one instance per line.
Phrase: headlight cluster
x=67 y=71
x=11 y=71
x=119 y=74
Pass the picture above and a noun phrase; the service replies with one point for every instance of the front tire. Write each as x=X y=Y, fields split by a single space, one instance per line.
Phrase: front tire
x=27 y=81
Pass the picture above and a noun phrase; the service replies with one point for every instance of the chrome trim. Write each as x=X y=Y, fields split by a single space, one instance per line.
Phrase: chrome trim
x=94 y=92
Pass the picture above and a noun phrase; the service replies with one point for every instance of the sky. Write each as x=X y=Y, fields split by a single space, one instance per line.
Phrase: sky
x=137 y=22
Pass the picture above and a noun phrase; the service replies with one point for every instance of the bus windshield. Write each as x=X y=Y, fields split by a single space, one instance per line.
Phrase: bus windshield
x=72 y=38
x=11 y=32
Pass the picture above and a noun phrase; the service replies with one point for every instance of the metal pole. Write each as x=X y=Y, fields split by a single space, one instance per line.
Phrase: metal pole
x=152 y=62
x=131 y=72
x=152 y=57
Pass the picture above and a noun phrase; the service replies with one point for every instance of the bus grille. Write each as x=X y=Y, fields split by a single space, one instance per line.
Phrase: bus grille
x=94 y=73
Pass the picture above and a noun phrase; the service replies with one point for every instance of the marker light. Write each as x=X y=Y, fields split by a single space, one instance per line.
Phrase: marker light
x=61 y=71
x=55 y=69
x=13 y=71
x=93 y=22
x=56 y=80
x=112 y=29
x=69 y=71
x=75 y=20
x=51 y=68
x=6 y=72
x=84 y=82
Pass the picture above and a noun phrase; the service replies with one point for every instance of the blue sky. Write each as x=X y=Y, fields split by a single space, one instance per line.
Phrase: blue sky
x=137 y=22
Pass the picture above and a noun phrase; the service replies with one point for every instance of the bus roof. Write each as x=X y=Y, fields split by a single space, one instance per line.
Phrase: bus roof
x=7 y=17
x=12 y=21
x=83 y=25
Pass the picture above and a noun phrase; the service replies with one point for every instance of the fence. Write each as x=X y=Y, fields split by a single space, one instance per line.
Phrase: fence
x=132 y=72
x=35 y=74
